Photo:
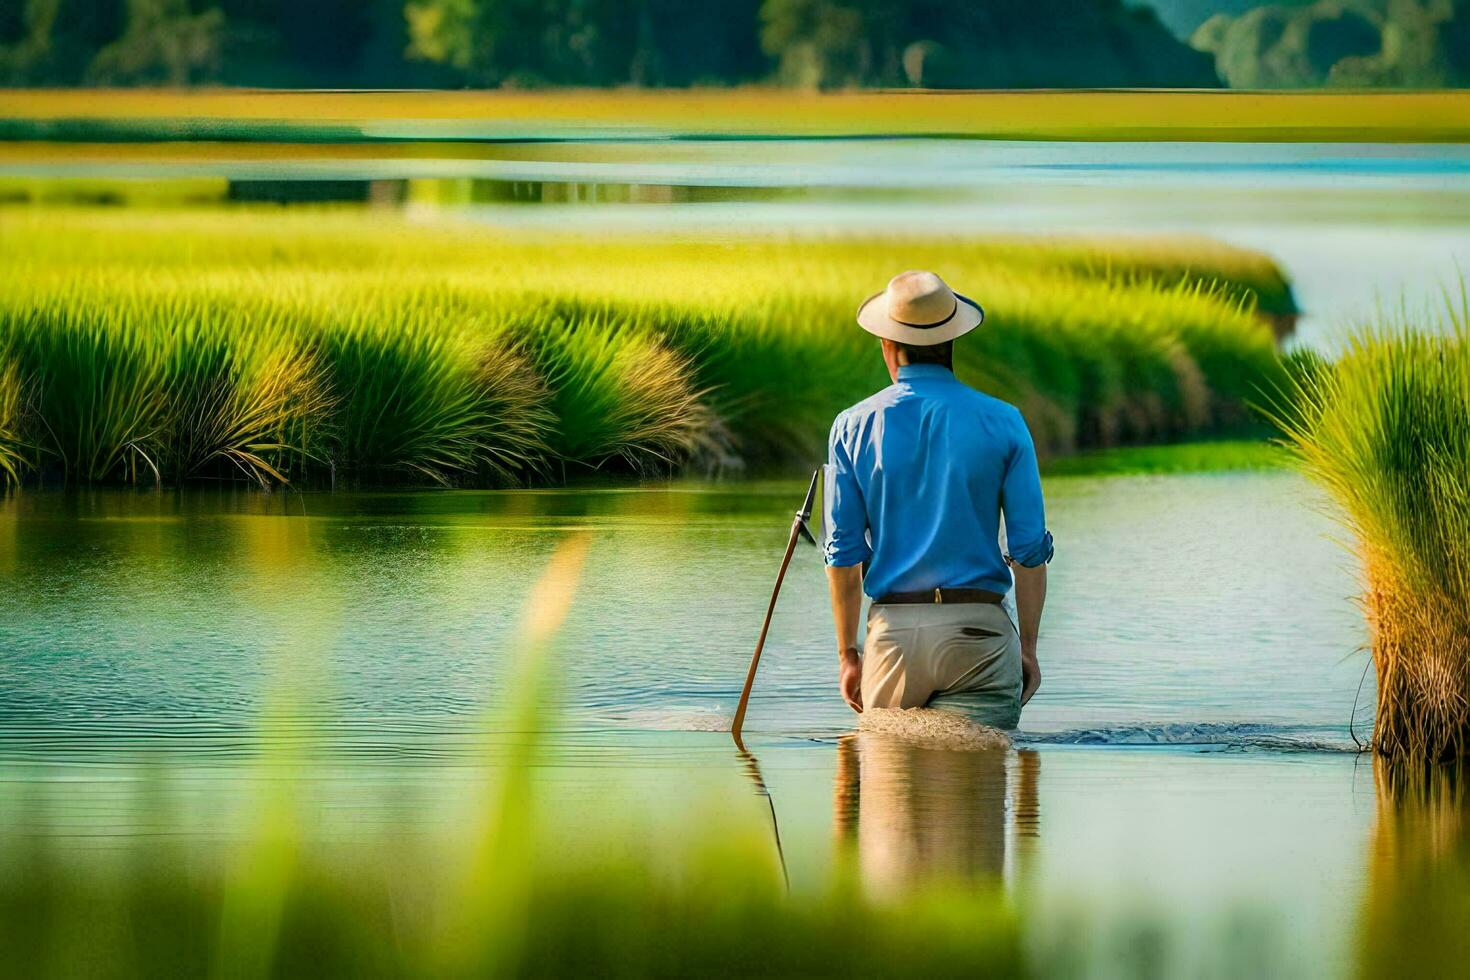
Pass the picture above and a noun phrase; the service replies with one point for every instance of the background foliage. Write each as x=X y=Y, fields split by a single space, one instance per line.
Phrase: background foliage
x=1401 y=43
x=375 y=43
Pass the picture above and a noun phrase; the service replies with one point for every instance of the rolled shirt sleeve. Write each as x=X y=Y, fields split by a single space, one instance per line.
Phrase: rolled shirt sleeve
x=845 y=528
x=1028 y=542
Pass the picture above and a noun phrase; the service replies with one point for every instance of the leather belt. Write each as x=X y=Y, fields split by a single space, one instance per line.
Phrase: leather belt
x=938 y=597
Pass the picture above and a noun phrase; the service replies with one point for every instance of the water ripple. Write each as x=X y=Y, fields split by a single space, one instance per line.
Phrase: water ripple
x=1243 y=737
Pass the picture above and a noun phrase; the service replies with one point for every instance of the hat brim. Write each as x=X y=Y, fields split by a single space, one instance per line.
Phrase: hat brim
x=873 y=317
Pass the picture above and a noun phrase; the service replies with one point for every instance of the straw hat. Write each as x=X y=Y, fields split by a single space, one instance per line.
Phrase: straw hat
x=918 y=308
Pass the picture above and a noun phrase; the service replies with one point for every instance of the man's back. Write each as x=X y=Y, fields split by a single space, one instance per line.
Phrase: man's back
x=918 y=479
x=919 y=475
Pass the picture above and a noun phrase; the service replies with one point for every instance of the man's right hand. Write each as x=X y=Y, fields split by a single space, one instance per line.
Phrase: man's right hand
x=850 y=679
x=1030 y=674
x=1030 y=599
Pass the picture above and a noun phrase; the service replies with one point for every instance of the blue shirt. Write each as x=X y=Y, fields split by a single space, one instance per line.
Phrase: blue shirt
x=917 y=479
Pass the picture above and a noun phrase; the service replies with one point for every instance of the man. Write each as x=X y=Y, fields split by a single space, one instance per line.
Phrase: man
x=918 y=477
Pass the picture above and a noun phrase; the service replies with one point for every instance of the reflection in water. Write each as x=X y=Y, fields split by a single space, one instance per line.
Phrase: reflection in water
x=1418 y=897
x=915 y=813
x=753 y=771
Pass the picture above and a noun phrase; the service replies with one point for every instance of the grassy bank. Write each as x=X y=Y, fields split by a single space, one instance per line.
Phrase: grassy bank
x=1225 y=456
x=1386 y=430
x=1325 y=116
x=364 y=345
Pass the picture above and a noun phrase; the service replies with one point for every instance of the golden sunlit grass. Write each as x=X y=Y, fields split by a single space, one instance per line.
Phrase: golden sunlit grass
x=438 y=350
x=11 y=459
x=1386 y=430
x=1153 y=115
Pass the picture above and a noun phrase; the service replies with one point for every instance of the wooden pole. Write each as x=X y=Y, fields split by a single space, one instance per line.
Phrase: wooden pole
x=760 y=643
x=798 y=529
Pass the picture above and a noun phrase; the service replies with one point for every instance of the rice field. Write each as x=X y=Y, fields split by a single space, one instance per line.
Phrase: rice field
x=323 y=346
x=1386 y=431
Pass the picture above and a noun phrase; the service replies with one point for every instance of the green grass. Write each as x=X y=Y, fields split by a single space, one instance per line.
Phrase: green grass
x=127 y=191
x=1386 y=430
x=287 y=907
x=123 y=115
x=421 y=400
x=12 y=459
x=286 y=904
x=328 y=345
x=617 y=393
x=1191 y=457
x=100 y=381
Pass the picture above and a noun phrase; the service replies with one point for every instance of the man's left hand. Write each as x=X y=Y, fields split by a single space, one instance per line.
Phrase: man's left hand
x=1030 y=674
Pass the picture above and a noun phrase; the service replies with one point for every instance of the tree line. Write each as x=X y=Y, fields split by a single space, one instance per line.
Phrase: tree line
x=1349 y=43
x=528 y=43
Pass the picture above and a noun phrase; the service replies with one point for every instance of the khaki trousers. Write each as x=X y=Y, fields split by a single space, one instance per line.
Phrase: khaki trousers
x=963 y=657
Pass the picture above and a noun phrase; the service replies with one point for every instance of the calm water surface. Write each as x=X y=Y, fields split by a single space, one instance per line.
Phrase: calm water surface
x=1207 y=608
x=1183 y=774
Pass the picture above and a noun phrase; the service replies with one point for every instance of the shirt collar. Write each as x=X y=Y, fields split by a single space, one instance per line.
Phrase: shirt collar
x=912 y=372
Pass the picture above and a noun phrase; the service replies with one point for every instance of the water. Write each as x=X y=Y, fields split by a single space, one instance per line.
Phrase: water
x=1204 y=609
x=1185 y=764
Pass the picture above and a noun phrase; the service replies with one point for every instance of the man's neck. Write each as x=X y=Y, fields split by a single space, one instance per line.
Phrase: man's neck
x=923 y=370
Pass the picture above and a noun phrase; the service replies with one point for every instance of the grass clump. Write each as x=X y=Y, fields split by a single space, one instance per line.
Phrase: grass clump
x=100 y=382
x=242 y=400
x=618 y=394
x=331 y=345
x=423 y=400
x=1386 y=431
x=12 y=459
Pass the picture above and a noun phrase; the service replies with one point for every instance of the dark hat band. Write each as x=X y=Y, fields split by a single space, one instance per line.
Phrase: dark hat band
x=929 y=326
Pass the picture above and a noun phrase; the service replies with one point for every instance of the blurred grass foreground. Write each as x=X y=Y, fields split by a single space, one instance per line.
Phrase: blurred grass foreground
x=325 y=345
x=509 y=899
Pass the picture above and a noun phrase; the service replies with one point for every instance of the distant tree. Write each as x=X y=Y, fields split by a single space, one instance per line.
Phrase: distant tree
x=497 y=42
x=163 y=43
x=1361 y=43
x=307 y=42
x=1184 y=17
x=52 y=42
x=822 y=43
x=712 y=42
x=587 y=42
x=961 y=43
